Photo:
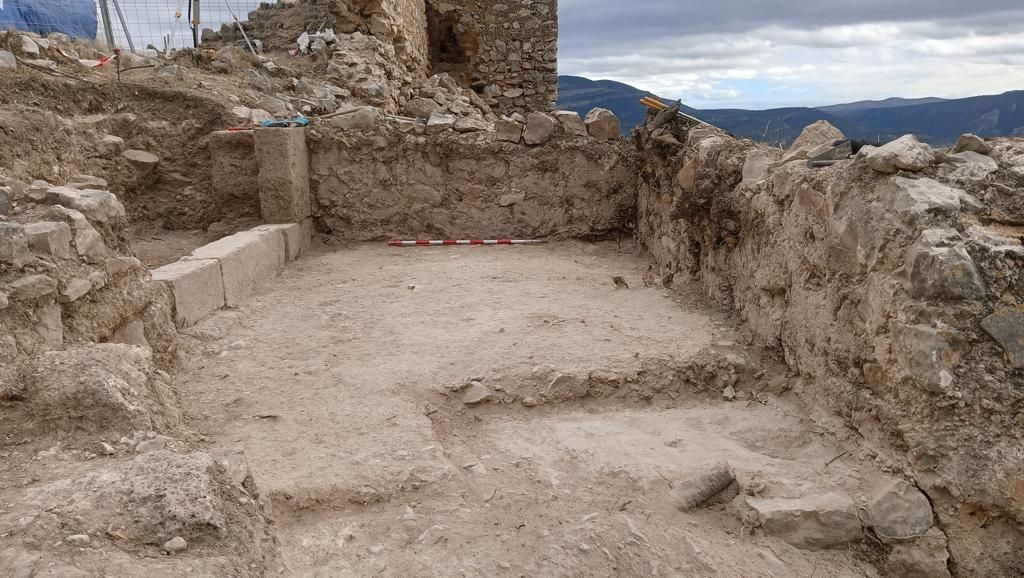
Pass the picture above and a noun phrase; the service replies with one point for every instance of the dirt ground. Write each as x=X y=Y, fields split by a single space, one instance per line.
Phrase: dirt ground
x=344 y=384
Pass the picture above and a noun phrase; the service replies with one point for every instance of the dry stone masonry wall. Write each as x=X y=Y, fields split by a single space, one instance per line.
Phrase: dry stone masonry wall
x=892 y=283
x=389 y=177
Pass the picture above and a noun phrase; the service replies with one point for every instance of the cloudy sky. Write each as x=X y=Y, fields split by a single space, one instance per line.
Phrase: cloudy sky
x=772 y=53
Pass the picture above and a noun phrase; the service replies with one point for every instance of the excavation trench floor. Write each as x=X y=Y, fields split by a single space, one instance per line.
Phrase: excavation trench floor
x=343 y=382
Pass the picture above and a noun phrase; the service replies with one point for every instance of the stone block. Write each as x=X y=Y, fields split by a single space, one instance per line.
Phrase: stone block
x=32 y=287
x=143 y=162
x=508 y=130
x=283 y=159
x=439 y=123
x=296 y=238
x=571 y=122
x=49 y=238
x=539 y=128
x=14 y=245
x=602 y=123
x=469 y=124
x=88 y=243
x=812 y=522
x=234 y=170
x=74 y=290
x=197 y=287
x=247 y=260
x=905 y=153
x=1007 y=328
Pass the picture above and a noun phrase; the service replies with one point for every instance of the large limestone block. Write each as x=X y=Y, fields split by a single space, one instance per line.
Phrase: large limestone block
x=508 y=130
x=49 y=238
x=812 y=139
x=284 y=174
x=602 y=123
x=571 y=122
x=296 y=238
x=247 y=260
x=539 y=128
x=905 y=153
x=197 y=287
x=812 y=522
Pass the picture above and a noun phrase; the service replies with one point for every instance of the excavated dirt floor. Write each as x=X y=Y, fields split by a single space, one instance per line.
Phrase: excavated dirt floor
x=343 y=382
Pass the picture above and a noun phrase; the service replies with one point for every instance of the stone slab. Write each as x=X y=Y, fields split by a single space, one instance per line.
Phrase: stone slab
x=247 y=260
x=283 y=159
x=197 y=288
x=296 y=238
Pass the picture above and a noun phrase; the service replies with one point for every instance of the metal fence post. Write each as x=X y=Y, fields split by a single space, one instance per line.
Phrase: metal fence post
x=108 y=29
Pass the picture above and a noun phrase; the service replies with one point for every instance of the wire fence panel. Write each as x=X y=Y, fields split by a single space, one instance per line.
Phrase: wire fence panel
x=165 y=24
x=159 y=24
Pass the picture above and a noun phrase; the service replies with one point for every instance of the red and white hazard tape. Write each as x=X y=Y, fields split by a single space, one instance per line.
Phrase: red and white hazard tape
x=452 y=242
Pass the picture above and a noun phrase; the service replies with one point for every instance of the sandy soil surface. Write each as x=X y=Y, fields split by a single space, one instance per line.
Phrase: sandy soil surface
x=344 y=384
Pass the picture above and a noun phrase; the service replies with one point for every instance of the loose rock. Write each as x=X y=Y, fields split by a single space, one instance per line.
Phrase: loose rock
x=1007 y=328
x=439 y=123
x=899 y=512
x=175 y=545
x=602 y=123
x=702 y=487
x=476 y=393
x=571 y=122
x=905 y=153
x=144 y=163
x=78 y=540
x=508 y=130
x=972 y=143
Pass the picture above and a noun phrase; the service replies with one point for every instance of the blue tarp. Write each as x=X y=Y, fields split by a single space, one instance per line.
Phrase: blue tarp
x=76 y=18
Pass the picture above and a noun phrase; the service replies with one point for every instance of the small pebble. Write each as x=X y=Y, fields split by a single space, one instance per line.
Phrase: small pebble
x=78 y=540
x=154 y=445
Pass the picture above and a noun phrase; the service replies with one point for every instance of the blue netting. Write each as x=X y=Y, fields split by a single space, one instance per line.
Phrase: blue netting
x=75 y=18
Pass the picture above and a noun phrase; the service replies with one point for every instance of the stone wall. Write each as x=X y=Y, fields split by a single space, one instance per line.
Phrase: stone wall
x=403 y=179
x=896 y=298
x=67 y=277
x=510 y=49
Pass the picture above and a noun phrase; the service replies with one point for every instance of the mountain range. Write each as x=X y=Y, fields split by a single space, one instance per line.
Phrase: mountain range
x=936 y=121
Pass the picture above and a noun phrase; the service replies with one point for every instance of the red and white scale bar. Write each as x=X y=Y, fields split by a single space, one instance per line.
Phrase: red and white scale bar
x=453 y=242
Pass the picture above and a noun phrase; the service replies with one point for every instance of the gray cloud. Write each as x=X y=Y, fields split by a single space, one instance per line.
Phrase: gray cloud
x=785 y=52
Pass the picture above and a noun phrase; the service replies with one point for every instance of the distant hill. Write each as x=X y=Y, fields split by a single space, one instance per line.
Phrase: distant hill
x=934 y=120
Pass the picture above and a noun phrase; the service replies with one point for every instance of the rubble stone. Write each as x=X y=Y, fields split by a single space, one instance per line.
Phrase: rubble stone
x=476 y=393
x=811 y=523
x=361 y=119
x=143 y=162
x=928 y=354
x=100 y=387
x=508 y=130
x=926 y=557
x=942 y=272
x=87 y=183
x=912 y=198
x=470 y=124
x=602 y=123
x=100 y=206
x=49 y=325
x=539 y=128
x=972 y=143
x=5 y=201
x=175 y=545
x=421 y=108
x=905 y=153
x=111 y=146
x=571 y=122
x=197 y=287
x=898 y=512
x=439 y=123
x=813 y=137
x=757 y=164
x=14 y=248
x=32 y=287
x=88 y=243
x=74 y=290
x=1007 y=328
x=49 y=238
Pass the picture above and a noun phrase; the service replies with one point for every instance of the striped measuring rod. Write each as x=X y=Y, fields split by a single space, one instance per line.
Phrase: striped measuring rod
x=453 y=242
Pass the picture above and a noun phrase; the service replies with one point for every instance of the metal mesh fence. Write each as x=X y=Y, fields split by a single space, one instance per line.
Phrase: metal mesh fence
x=147 y=23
